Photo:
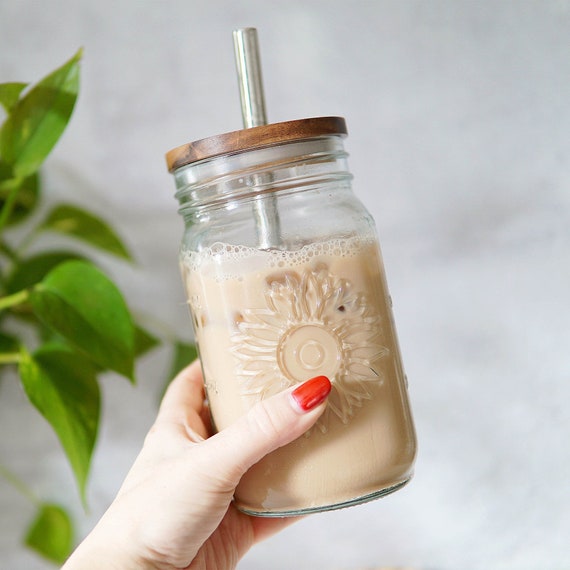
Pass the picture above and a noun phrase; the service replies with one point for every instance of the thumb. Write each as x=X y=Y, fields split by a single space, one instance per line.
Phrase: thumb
x=270 y=424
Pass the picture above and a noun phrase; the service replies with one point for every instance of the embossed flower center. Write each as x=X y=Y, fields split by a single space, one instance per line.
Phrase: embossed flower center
x=309 y=350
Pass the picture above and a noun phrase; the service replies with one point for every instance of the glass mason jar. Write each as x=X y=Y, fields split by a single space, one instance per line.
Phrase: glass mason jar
x=285 y=282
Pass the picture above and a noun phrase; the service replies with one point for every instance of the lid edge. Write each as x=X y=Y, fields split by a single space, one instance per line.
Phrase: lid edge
x=254 y=138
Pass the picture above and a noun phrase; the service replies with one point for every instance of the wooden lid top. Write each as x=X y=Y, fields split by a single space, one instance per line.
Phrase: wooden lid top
x=255 y=137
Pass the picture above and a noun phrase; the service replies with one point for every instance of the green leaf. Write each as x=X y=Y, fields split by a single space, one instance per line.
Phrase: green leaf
x=26 y=198
x=85 y=307
x=38 y=119
x=51 y=533
x=73 y=221
x=32 y=270
x=144 y=341
x=62 y=385
x=8 y=343
x=9 y=94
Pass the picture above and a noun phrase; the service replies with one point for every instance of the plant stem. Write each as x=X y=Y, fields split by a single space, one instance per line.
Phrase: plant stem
x=9 y=203
x=14 y=299
x=18 y=484
x=10 y=358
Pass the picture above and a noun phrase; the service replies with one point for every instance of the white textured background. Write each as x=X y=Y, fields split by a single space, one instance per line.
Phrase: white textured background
x=459 y=120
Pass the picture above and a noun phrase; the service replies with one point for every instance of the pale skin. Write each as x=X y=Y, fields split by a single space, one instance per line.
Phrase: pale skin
x=174 y=509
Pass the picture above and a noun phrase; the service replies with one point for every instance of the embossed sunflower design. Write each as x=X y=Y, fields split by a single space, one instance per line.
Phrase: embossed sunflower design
x=313 y=324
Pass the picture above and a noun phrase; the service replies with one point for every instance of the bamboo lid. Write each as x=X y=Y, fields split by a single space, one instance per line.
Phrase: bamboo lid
x=254 y=138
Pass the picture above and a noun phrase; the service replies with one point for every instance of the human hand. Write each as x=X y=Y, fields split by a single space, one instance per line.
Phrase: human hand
x=174 y=509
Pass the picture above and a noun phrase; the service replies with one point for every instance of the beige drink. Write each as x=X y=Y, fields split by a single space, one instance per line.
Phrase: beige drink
x=266 y=320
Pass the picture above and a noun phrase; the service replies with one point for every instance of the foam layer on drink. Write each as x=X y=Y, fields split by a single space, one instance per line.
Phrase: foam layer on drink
x=266 y=320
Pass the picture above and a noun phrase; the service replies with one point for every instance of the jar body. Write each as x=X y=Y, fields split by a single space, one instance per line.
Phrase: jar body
x=312 y=302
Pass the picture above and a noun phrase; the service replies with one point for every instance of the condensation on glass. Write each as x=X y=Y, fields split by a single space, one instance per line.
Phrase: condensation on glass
x=284 y=279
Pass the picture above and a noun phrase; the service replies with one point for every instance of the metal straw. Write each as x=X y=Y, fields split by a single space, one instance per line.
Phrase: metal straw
x=248 y=66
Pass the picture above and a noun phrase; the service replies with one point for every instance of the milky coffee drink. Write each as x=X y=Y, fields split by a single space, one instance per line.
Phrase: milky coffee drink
x=285 y=282
x=265 y=321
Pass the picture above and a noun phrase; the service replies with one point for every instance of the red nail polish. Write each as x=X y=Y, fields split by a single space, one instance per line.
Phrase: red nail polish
x=312 y=392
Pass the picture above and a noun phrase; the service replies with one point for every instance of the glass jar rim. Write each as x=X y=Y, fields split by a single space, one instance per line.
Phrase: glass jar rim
x=254 y=138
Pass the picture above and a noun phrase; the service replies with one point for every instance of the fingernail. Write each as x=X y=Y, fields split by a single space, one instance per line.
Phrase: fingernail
x=312 y=392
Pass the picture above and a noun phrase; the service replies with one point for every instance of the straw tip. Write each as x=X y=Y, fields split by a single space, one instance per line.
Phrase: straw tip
x=246 y=30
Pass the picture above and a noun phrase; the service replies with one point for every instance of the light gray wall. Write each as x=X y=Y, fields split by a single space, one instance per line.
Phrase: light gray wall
x=459 y=124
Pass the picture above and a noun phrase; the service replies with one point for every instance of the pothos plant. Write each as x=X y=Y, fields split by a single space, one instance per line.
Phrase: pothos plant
x=63 y=322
